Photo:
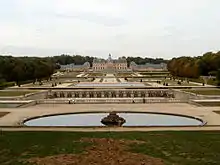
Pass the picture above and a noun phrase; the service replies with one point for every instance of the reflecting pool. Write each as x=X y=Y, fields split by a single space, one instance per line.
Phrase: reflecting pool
x=132 y=119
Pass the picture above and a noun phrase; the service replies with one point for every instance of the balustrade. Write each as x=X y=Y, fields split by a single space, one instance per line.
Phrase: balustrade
x=113 y=94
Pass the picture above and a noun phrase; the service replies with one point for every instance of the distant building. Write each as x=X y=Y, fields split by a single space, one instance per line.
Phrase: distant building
x=148 y=67
x=109 y=65
x=73 y=67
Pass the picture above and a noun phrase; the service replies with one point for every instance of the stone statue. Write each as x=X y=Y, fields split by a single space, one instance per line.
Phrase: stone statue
x=113 y=120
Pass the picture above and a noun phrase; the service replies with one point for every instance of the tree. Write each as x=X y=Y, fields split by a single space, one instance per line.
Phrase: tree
x=218 y=77
x=194 y=67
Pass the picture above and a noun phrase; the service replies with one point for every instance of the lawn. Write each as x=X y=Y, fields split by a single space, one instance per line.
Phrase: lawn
x=174 y=83
x=3 y=114
x=14 y=93
x=204 y=92
x=218 y=112
x=168 y=148
x=123 y=75
x=209 y=104
x=96 y=74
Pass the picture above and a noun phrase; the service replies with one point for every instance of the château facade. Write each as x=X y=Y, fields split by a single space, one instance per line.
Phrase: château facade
x=148 y=67
x=109 y=65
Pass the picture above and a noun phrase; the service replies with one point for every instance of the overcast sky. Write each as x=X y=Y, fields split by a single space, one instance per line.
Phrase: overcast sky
x=147 y=28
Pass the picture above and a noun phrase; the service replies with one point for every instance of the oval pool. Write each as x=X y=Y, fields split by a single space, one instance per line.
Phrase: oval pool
x=132 y=119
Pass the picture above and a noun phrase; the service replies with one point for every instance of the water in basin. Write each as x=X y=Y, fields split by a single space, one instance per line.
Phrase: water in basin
x=132 y=119
x=110 y=84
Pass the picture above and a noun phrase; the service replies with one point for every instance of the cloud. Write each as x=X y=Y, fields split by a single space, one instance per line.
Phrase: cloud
x=94 y=18
x=96 y=27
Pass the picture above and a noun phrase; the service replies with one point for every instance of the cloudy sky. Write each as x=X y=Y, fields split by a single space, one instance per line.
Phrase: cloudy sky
x=147 y=28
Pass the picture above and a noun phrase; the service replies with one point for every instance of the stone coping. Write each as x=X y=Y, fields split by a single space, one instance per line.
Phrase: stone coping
x=208 y=100
x=110 y=129
x=14 y=101
x=114 y=87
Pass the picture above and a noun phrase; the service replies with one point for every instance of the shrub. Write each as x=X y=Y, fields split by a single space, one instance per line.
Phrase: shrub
x=6 y=84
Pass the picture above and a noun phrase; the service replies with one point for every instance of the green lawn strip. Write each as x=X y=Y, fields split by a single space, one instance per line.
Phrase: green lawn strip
x=182 y=148
x=199 y=80
x=210 y=104
x=95 y=74
x=14 y=93
x=3 y=114
x=174 y=83
x=204 y=92
x=218 y=112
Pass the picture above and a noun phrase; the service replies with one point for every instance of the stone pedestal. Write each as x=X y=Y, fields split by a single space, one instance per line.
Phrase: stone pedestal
x=139 y=94
x=87 y=94
x=146 y=94
x=132 y=94
x=102 y=94
x=117 y=94
x=95 y=95
x=124 y=94
x=80 y=95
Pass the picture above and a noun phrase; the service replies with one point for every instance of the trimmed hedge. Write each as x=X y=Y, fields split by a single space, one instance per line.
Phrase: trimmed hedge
x=6 y=84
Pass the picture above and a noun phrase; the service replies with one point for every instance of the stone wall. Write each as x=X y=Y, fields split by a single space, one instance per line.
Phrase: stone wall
x=36 y=96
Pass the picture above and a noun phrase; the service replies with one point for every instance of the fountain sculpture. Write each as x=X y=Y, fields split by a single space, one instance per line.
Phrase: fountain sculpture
x=113 y=120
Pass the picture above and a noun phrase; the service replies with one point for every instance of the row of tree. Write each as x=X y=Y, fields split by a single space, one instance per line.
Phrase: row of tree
x=142 y=61
x=76 y=59
x=21 y=69
x=194 y=67
x=79 y=60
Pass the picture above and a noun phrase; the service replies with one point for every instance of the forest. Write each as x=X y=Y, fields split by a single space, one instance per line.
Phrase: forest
x=193 y=67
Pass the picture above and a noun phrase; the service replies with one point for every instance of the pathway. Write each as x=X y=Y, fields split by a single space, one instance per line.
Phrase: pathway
x=191 y=82
x=111 y=129
x=17 y=115
x=109 y=78
x=122 y=80
x=155 y=84
x=97 y=80
x=63 y=85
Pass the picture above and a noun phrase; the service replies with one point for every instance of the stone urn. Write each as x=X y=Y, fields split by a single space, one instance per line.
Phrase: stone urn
x=113 y=120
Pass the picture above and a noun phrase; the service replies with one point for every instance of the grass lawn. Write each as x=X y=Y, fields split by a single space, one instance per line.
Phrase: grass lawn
x=210 y=104
x=123 y=75
x=218 y=112
x=182 y=148
x=174 y=83
x=3 y=114
x=14 y=93
x=204 y=92
x=209 y=81
x=95 y=74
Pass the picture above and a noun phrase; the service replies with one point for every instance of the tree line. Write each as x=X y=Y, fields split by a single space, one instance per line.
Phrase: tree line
x=21 y=69
x=31 y=69
x=193 y=67
x=79 y=60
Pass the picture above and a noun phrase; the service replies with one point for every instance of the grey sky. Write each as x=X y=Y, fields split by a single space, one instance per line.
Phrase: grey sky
x=147 y=28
